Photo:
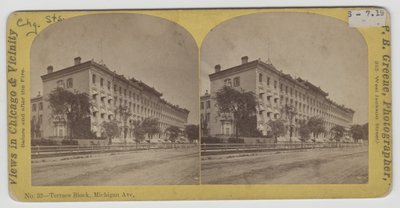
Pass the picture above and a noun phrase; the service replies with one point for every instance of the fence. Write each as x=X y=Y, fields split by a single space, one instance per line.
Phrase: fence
x=227 y=148
x=65 y=150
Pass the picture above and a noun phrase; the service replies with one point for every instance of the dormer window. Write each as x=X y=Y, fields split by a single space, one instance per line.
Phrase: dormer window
x=228 y=82
x=236 y=82
x=60 y=83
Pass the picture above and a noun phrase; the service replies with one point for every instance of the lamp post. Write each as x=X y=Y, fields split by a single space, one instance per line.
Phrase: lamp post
x=125 y=113
x=290 y=114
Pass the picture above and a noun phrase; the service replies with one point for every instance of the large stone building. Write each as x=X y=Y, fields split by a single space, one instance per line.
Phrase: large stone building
x=108 y=91
x=278 y=95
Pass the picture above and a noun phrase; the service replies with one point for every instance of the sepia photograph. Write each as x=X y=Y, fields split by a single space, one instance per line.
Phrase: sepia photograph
x=114 y=101
x=284 y=100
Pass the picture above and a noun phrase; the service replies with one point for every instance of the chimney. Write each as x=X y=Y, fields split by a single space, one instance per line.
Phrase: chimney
x=49 y=69
x=245 y=59
x=217 y=68
x=77 y=60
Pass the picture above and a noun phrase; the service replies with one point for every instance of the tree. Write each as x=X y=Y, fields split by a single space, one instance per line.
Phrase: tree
x=35 y=129
x=204 y=127
x=124 y=113
x=248 y=126
x=357 y=132
x=173 y=133
x=238 y=104
x=304 y=131
x=316 y=125
x=138 y=131
x=365 y=131
x=290 y=112
x=192 y=132
x=277 y=129
x=110 y=130
x=337 y=132
x=74 y=105
x=150 y=127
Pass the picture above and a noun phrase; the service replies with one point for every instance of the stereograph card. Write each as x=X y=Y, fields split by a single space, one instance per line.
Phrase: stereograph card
x=252 y=103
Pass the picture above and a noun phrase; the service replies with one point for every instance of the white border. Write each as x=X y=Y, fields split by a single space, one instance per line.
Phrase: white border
x=8 y=6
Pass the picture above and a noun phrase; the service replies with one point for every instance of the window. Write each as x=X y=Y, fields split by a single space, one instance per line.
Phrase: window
x=286 y=89
x=281 y=87
x=60 y=83
x=275 y=84
x=208 y=104
x=109 y=85
x=34 y=107
x=69 y=83
x=40 y=106
x=202 y=105
x=236 y=81
x=101 y=82
x=40 y=118
x=260 y=77
x=124 y=92
x=228 y=82
x=94 y=79
x=268 y=79
x=115 y=88
x=120 y=90
x=207 y=116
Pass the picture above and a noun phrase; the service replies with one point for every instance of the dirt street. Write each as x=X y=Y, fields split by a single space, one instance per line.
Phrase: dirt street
x=152 y=167
x=319 y=166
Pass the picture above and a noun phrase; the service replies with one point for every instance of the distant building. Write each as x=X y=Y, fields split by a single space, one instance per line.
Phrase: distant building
x=275 y=91
x=107 y=90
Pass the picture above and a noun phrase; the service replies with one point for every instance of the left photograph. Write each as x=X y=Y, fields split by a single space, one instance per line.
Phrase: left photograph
x=114 y=101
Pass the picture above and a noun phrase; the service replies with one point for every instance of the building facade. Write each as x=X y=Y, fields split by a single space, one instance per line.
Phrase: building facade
x=205 y=113
x=276 y=92
x=108 y=92
x=37 y=117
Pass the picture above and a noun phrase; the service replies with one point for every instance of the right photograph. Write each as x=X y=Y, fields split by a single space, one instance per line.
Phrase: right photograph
x=284 y=100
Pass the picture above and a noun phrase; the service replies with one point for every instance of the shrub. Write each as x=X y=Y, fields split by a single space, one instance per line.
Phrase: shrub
x=211 y=140
x=69 y=142
x=43 y=142
x=235 y=140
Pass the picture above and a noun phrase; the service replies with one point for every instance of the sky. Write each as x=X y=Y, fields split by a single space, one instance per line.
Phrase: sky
x=323 y=50
x=156 y=51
